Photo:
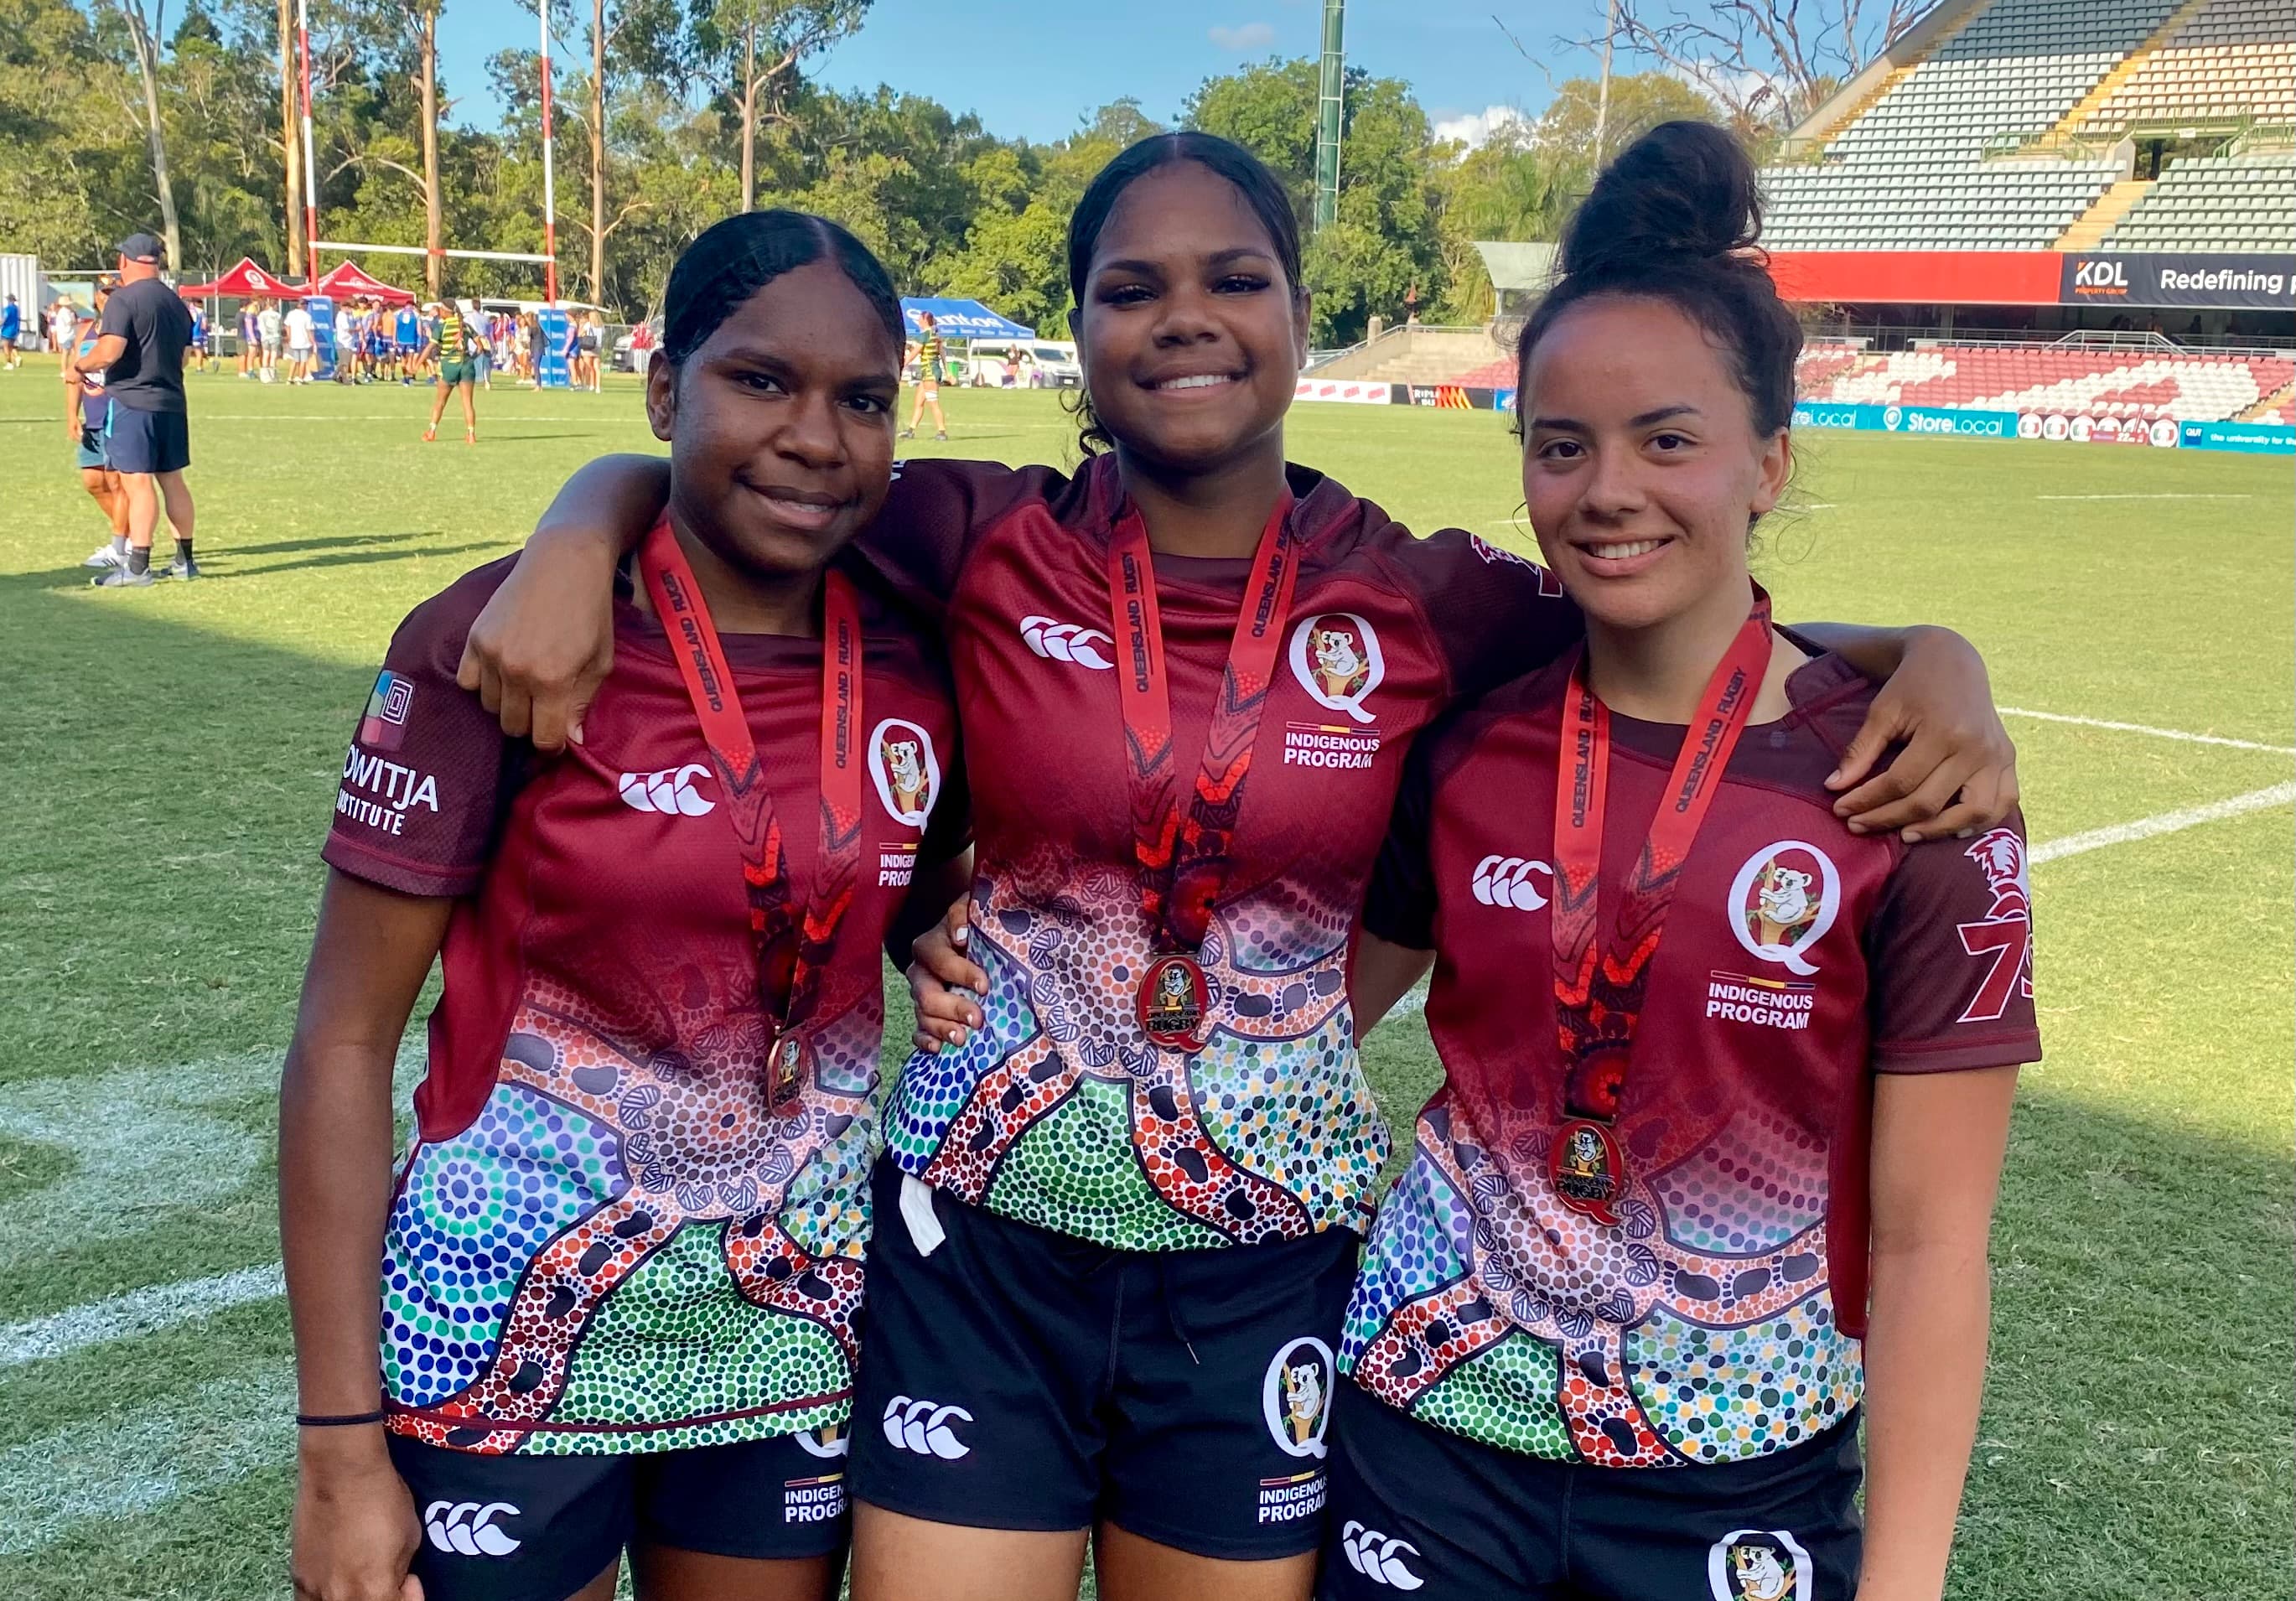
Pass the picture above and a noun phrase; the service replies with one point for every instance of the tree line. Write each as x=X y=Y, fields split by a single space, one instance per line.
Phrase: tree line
x=671 y=113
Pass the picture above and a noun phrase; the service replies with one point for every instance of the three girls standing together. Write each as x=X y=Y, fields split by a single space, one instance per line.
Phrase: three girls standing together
x=1728 y=1079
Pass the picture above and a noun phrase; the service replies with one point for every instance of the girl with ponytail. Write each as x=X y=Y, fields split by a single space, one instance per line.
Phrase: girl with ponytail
x=1710 y=1175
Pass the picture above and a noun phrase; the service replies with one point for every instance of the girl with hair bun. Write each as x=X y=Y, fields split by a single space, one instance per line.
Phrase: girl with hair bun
x=1127 y=1172
x=1711 y=1172
x=621 y=1264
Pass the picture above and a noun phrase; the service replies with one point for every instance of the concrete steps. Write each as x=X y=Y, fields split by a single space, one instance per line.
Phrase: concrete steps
x=2090 y=228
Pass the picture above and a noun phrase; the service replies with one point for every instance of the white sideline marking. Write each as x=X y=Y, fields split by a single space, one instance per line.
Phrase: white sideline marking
x=145 y=1457
x=136 y=1312
x=2168 y=822
x=2171 y=495
x=2072 y=844
x=2197 y=739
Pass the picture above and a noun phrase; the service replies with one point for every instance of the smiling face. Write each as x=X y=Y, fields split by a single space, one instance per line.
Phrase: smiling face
x=1642 y=468
x=781 y=424
x=1189 y=332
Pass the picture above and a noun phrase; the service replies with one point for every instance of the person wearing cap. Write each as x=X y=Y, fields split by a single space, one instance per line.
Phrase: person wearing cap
x=140 y=345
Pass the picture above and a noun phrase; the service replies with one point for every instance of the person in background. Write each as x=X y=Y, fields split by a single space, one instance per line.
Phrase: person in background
x=250 y=337
x=347 y=342
x=405 y=340
x=302 y=342
x=87 y=418
x=140 y=345
x=11 y=331
x=585 y=326
x=455 y=342
x=195 y=355
x=271 y=325
x=926 y=349
x=63 y=320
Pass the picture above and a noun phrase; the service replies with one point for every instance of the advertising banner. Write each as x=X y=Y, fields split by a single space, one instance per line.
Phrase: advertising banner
x=2236 y=283
x=322 y=334
x=2263 y=439
x=550 y=368
x=1352 y=394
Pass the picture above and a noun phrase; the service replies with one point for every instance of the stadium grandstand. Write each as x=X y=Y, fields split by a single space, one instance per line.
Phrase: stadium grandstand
x=2070 y=215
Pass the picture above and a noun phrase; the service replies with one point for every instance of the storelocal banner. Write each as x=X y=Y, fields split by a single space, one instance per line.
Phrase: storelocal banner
x=2073 y=428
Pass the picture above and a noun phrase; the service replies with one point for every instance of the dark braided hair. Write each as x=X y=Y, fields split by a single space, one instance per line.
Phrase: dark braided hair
x=1674 y=217
x=1261 y=189
x=733 y=259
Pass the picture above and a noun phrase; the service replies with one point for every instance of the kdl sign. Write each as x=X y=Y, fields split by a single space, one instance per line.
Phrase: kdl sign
x=2232 y=282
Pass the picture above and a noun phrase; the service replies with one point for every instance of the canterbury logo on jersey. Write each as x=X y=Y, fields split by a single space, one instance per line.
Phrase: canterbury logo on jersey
x=1066 y=641
x=1505 y=881
x=926 y=1427
x=468 y=1528
x=1378 y=1558
x=670 y=791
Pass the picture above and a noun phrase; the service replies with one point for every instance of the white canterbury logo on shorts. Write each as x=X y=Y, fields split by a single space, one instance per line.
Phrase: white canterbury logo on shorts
x=1504 y=880
x=1377 y=1557
x=468 y=1528
x=669 y=791
x=1058 y=641
x=925 y=1427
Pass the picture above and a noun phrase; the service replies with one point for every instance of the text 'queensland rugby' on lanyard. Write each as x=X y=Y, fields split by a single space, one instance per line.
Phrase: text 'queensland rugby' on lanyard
x=1184 y=853
x=1598 y=986
x=793 y=944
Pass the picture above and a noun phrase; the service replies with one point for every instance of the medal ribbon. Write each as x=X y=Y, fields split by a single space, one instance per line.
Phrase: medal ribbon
x=1184 y=855
x=1598 y=990
x=793 y=946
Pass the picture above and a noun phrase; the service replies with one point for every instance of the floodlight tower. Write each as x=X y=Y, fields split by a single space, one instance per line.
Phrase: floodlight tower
x=1327 y=117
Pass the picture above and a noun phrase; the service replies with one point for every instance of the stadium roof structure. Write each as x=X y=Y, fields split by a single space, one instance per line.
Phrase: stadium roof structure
x=242 y=282
x=962 y=319
x=1516 y=268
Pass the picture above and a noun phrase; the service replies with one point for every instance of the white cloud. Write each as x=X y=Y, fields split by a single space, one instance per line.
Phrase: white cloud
x=1251 y=35
x=1475 y=127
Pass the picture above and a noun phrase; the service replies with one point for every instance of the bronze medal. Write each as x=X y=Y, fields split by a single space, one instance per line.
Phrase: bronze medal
x=1589 y=1169
x=1174 y=997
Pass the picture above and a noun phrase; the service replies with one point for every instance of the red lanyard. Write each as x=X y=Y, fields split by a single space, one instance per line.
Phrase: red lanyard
x=1599 y=990
x=793 y=948
x=1184 y=855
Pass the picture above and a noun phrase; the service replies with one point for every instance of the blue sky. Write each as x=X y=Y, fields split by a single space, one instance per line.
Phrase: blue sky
x=1033 y=68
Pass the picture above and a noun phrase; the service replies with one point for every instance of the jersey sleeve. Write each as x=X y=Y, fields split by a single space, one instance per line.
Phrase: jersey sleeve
x=429 y=771
x=932 y=516
x=1400 y=906
x=1497 y=615
x=1951 y=951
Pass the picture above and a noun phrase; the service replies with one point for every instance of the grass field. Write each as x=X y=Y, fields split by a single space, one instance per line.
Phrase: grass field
x=167 y=758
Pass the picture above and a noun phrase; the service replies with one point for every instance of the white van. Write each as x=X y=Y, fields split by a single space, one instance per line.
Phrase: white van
x=1043 y=364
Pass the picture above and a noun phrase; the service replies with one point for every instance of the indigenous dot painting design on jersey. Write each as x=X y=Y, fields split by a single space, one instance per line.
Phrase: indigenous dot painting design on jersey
x=1699 y=1329
x=1061 y=1112
x=629 y=1239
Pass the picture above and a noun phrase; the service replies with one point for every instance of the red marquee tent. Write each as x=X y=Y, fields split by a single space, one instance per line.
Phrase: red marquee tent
x=241 y=283
x=351 y=281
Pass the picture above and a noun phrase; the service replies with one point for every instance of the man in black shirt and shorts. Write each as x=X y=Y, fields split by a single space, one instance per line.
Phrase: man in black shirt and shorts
x=140 y=344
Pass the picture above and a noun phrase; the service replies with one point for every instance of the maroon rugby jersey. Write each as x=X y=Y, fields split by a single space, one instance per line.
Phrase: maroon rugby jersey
x=608 y=1237
x=1722 y=1317
x=1060 y=1112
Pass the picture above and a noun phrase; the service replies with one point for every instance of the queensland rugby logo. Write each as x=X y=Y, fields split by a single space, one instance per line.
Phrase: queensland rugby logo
x=1782 y=901
x=1296 y=1396
x=1758 y=1565
x=904 y=769
x=1335 y=655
